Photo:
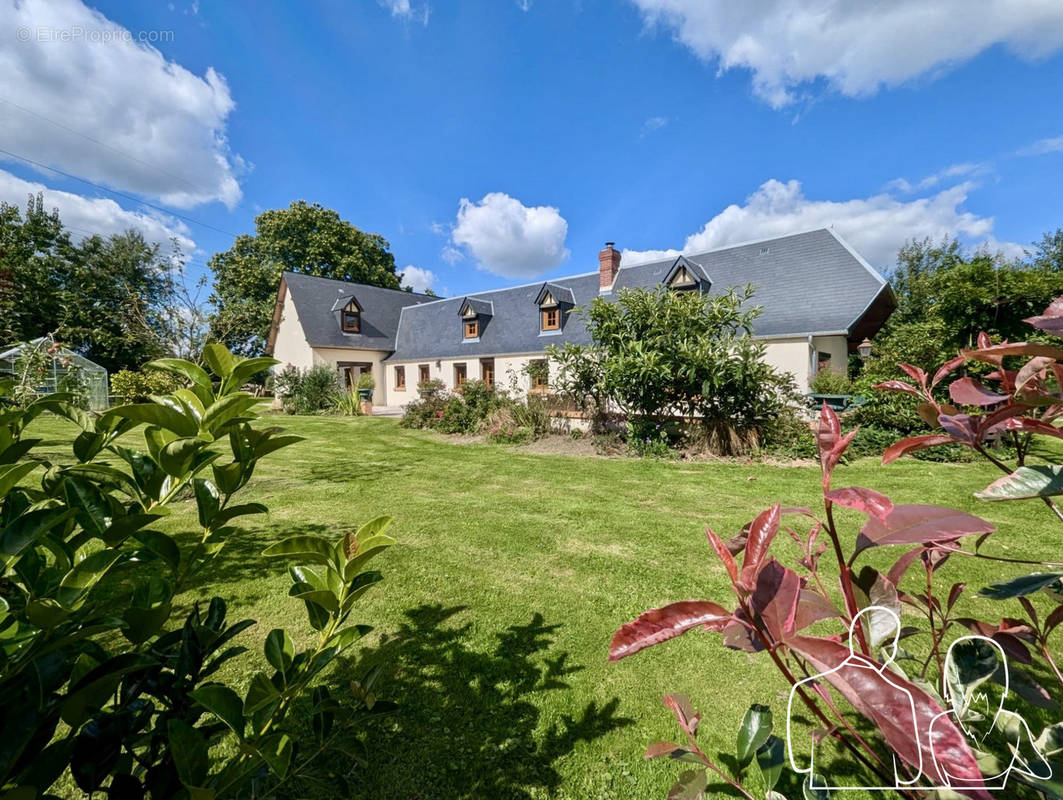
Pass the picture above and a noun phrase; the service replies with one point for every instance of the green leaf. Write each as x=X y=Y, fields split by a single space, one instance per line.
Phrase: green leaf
x=11 y=474
x=45 y=613
x=248 y=367
x=189 y=751
x=302 y=548
x=260 y=693
x=27 y=527
x=159 y=415
x=176 y=457
x=320 y=597
x=753 y=732
x=280 y=650
x=161 y=545
x=348 y=636
x=224 y=703
x=79 y=581
x=1026 y=482
x=232 y=512
x=1022 y=586
x=186 y=369
x=275 y=443
x=207 y=501
x=227 y=409
x=276 y=751
x=809 y=793
x=770 y=759
x=690 y=786
x=219 y=359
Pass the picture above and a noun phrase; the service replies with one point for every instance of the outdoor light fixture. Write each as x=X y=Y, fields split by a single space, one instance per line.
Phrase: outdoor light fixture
x=864 y=348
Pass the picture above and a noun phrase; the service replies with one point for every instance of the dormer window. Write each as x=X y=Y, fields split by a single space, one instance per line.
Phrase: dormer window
x=552 y=300
x=682 y=279
x=351 y=318
x=686 y=275
x=475 y=314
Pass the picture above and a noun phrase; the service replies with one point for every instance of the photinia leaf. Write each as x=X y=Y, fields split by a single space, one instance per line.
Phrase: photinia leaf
x=1021 y=586
x=684 y=712
x=919 y=524
x=775 y=599
x=913 y=443
x=770 y=759
x=969 y=392
x=661 y=749
x=918 y=374
x=723 y=554
x=888 y=700
x=870 y=502
x=946 y=368
x=690 y=786
x=1026 y=482
x=992 y=354
x=753 y=733
x=761 y=533
x=1031 y=370
x=661 y=624
x=827 y=433
x=898 y=386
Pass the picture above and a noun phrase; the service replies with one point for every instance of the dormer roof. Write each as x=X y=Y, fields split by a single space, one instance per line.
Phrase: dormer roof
x=555 y=294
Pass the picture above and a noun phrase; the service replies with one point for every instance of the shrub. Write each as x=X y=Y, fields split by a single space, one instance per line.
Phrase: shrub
x=137 y=387
x=501 y=427
x=533 y=414
x=348 y=404
x=658 y=354
x=97 y=679
x=830 y=381
x=365 y=381
x=311 y=391
x=648 y=438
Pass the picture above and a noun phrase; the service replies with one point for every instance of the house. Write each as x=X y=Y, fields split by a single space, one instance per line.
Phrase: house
x=820 y=299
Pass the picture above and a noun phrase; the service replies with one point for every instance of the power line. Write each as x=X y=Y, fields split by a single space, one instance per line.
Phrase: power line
x=113 y=149
x=118 y=193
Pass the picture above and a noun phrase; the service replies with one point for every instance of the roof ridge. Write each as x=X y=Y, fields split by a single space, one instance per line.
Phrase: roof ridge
x=286 y=272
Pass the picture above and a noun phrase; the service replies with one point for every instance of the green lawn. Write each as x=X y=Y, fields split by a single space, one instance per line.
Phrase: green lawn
x=511 y=575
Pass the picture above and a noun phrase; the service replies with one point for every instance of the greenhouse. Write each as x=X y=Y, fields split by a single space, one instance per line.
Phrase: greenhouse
x=43 y=366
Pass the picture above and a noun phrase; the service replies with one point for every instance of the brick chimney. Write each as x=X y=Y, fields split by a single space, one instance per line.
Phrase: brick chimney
x=608 y=266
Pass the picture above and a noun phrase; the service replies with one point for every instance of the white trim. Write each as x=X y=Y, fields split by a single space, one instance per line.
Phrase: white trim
x=867 y=308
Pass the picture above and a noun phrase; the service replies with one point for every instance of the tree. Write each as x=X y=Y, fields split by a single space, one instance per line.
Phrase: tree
x=110 y=305
x=304 y=238
x=657 y=354
x=34 y=262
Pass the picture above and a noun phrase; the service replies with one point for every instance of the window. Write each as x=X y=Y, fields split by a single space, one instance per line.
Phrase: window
x=423 y=375
x=682 y=279
x=460 y=375
x=472 y=328
x=351 y=318
x=487 y=371
x=550 y=319
x=400 y=377
x=539 y=370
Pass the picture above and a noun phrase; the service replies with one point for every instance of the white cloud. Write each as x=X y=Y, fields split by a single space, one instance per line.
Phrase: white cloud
x=85 y=95
x=855 y=45
x=407 y=11
x=524 y=5
x=417 y=279
x=653 y=124
x=451 y=255
x=875 y=226
x=511 y=239
x=969 y=170
x=1043 y=146
x=85 y=216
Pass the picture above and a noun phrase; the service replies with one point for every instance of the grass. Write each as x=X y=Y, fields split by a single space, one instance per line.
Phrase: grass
x=512 y=573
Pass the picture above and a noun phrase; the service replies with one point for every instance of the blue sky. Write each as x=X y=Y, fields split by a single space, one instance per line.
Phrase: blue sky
x=493 y=142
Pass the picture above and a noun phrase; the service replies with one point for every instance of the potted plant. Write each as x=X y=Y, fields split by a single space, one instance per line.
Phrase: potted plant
x=365 y=385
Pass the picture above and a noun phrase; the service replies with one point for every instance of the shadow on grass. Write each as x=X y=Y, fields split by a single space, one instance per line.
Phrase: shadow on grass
x=469 y=723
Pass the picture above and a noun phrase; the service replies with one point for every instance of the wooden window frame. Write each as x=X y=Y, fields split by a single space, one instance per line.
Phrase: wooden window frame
x=461 y=374
x=540 y=384
x=400 y=378
x=487 y=371
x=424 y=372
x=544 y=319
x=470 y=328
x=346 y=316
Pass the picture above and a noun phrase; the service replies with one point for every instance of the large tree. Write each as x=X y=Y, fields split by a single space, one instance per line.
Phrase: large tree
x=102 y=296
x=305 y=238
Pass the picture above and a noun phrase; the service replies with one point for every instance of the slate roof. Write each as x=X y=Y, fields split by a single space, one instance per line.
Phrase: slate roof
x=806 y=283
x=317 y=302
